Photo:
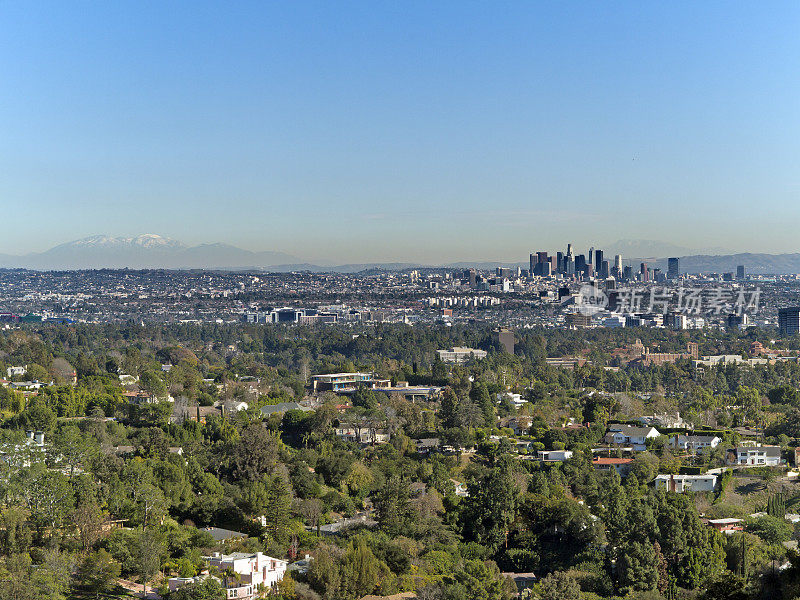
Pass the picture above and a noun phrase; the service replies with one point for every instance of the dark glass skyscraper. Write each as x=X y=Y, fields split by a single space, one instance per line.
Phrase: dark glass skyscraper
x=673 y=268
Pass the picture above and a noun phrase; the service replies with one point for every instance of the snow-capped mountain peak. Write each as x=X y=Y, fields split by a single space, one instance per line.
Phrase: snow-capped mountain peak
x=147 y=240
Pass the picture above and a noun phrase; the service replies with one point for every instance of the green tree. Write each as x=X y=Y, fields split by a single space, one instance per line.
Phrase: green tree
x=254 y=454
x=360 y=569
x=324 y=575
x=491 y=506
x=277 y=508
x=393 y=507
x=99 y=572
x=638 y=568
x=147 y=554
x=151 y=382
x=559 y=586
x=208 y=589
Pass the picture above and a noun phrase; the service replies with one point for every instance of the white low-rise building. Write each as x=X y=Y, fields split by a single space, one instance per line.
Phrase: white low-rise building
x=554 y=455
x=762 y=456
x=255 y=572
x=460 y=354
x=628 y=435
x=686 y=483
x=694 y=443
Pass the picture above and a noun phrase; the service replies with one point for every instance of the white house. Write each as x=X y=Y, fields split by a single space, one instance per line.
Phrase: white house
x=554 y=455
x=686 y=483
x=17 y=371
x=764 y=456
x=628 y=435
x=255 y=572
x=365 y=435
x=694 y=443
x=516 y=399
x=460 y=354
x=175 y=583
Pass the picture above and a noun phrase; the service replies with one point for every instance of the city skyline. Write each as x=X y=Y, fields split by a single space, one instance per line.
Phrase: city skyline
x=415 y=133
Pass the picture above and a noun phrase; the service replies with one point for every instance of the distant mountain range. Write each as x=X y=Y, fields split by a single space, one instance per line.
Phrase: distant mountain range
x=150 y=251
x=655 y=249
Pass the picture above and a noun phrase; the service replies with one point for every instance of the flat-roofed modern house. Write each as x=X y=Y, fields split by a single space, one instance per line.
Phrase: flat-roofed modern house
x=686 y=483
x=335 y=382
x=727 y=526
x=255 y=573
x=620 y=465
x=459 y=354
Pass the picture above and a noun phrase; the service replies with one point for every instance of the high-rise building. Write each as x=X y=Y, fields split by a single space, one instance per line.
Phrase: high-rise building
x=644 y=272
x=472 y=277
x=627 y=273
x=505 y=338
x=616 y=270
x=603 y=269
x=673 y=268
x=533 y=261
x=598 y=259
x=789 y=320
x=738 y=320
x=580 y=264
x=591 y=254
x=740 y=272
x=559 y=262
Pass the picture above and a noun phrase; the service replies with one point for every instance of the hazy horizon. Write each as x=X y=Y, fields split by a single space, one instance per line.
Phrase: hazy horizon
x=417 y=132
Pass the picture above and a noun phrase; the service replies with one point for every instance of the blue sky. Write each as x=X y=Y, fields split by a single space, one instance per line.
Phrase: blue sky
x=401 y=131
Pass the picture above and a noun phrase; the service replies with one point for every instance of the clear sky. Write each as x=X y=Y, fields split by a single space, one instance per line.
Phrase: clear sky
x=432 y=131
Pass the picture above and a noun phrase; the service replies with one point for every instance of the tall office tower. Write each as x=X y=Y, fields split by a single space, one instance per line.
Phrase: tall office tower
x=542 y=257
x=740 y=272
x=569 y=265
x=618 y=262
x=533 y=262
x=553 y=265
x=580 y=263
x=598 y=259
x=569 y=249
x=673 y=268
x=789 y=320
x=627 y=273
x=472 y=276
x=559 y=262
x=591 y=253
x=644 y=272
x=603 y=269
x=545 y=269
x=505 y=338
